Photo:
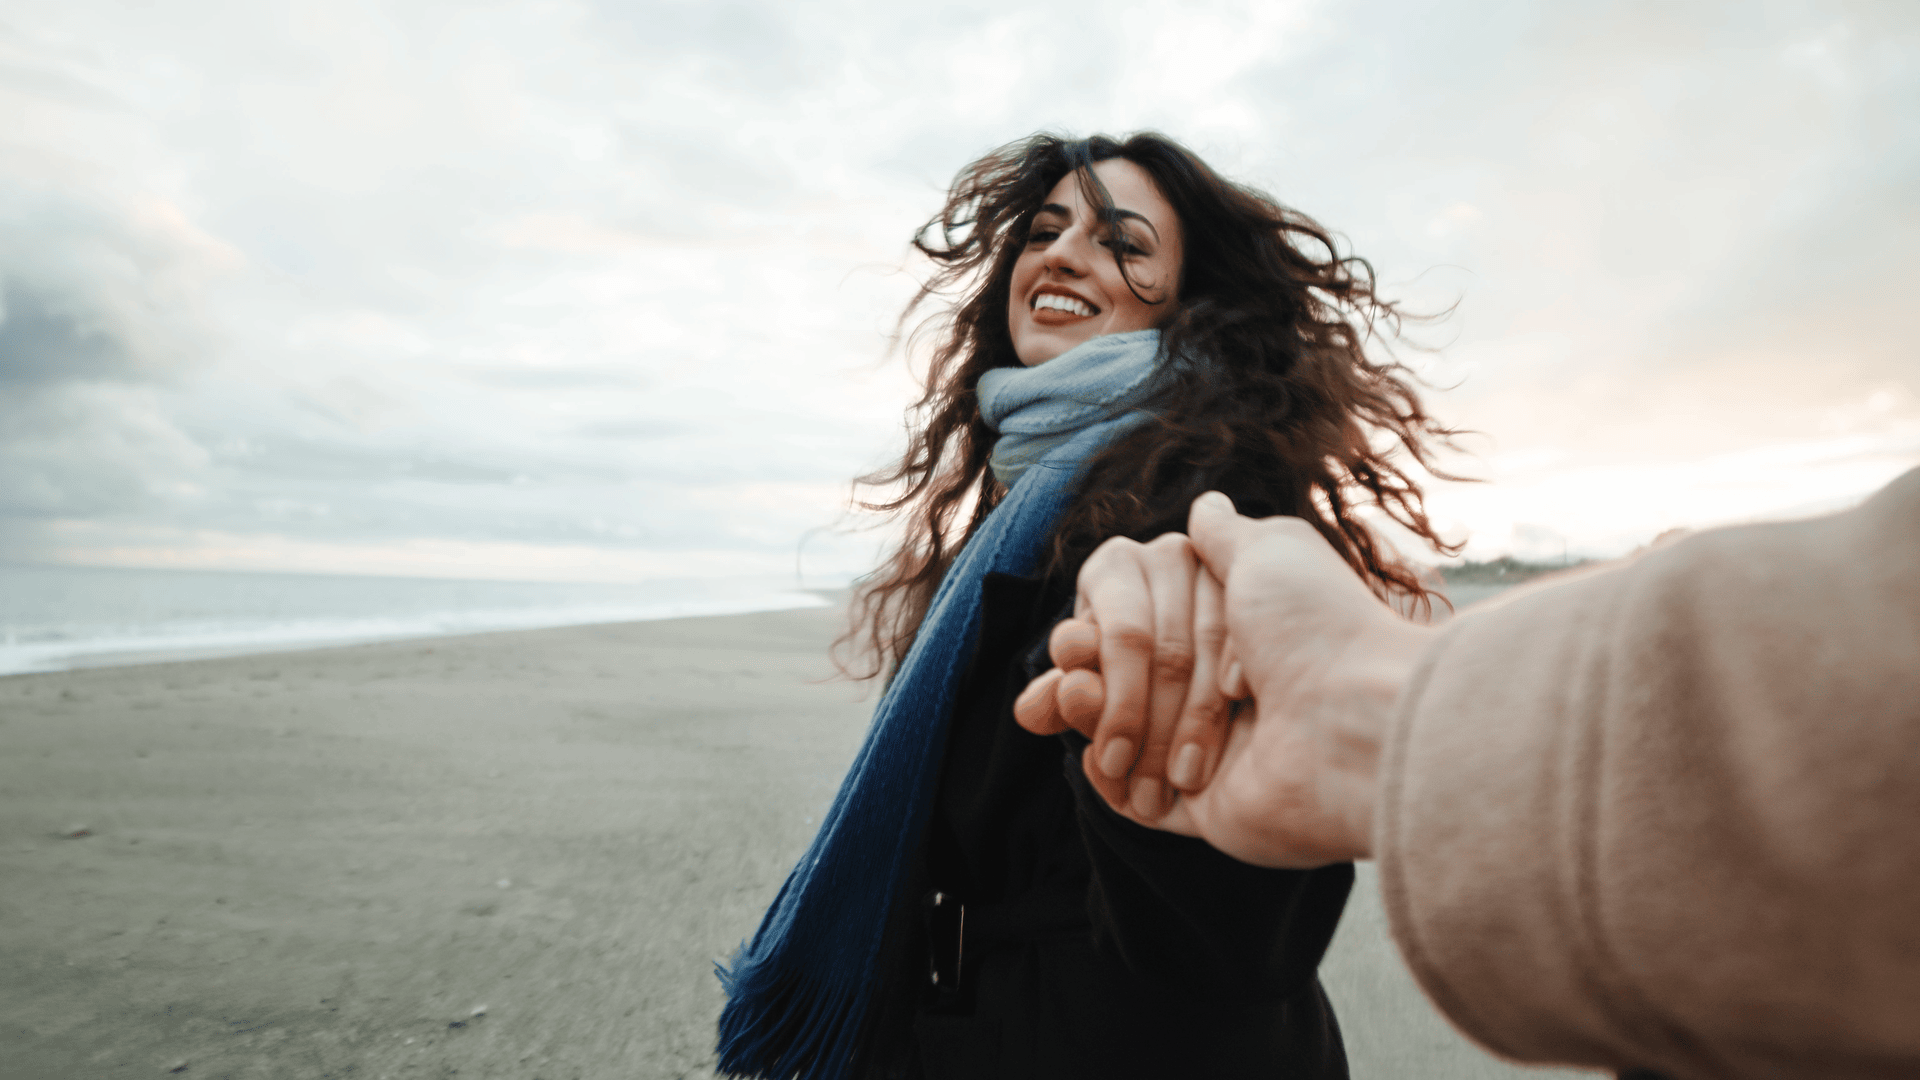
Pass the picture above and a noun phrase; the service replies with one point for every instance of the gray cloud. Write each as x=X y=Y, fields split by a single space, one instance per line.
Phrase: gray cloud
x=100 y=312
x=41 y=345
x=93 y=288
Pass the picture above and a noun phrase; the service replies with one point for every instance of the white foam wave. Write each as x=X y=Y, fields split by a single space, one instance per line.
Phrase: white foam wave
x=58 y=649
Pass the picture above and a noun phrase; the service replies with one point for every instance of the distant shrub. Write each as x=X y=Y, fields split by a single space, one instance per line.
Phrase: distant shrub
x=1505 y=570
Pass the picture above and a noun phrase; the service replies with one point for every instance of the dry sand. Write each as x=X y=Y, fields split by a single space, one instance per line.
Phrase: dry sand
x=322 y=864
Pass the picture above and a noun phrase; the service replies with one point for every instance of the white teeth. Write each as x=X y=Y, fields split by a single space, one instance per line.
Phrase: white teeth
x=1061 y=303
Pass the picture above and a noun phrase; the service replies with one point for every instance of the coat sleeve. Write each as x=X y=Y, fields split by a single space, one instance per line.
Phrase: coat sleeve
x=1665 y=815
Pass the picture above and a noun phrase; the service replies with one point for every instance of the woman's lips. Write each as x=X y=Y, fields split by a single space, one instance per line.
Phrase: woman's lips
x=1056 y=317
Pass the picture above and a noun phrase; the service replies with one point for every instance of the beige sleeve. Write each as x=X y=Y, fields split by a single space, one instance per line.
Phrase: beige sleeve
x=1667 y=815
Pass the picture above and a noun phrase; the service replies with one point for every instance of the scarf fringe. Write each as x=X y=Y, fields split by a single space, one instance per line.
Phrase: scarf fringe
x=787 y=1025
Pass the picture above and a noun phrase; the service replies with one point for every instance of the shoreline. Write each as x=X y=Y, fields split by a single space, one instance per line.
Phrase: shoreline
x=105 y=653
x=22 y=658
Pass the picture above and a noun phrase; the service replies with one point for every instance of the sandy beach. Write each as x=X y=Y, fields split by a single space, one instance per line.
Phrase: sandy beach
x=504 y=855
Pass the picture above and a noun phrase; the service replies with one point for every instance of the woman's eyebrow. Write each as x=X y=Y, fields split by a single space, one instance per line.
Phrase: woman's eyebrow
x=1056 y=208
x=1141 y=218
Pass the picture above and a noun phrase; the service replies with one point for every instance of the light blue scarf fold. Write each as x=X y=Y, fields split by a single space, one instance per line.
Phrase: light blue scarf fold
x=797 y=993
x=1036 y=409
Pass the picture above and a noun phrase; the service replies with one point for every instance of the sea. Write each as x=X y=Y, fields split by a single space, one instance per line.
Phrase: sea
x=54 y=618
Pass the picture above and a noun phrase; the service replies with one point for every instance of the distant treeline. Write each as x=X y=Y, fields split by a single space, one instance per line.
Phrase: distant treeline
x=1505 y=570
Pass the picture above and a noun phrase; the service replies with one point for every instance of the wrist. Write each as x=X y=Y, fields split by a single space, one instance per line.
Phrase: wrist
x=1367 y=689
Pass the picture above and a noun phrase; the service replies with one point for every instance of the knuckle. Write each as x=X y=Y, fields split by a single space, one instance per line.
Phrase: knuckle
x=1112 y=549
x=1169 y=557
x=1166 y=544
x=1173 y=663
x=1131 y=637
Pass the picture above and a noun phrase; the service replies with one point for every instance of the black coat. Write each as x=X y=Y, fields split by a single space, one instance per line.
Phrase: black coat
x=1091 y=946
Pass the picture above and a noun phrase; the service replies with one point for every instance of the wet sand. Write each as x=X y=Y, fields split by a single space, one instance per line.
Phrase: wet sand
x=505 y=855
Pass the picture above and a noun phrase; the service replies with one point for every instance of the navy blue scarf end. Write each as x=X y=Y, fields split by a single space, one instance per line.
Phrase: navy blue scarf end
x=781 y=1024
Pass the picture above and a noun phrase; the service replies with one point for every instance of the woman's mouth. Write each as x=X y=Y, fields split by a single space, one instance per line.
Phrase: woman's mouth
x=1056 y=309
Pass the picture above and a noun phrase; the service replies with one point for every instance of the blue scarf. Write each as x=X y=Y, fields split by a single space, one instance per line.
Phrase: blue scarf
x=798 y=992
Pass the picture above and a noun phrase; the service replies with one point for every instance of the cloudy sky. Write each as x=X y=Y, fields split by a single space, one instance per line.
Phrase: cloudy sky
x=599 y=290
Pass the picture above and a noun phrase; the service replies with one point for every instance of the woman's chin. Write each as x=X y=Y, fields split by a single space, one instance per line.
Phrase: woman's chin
x=1035 y=349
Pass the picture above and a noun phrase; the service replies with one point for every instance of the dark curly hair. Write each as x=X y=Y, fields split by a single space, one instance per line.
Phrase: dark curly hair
x=1288 y=396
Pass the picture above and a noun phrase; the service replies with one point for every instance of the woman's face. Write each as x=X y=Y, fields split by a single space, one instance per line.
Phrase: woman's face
x=1066 y=288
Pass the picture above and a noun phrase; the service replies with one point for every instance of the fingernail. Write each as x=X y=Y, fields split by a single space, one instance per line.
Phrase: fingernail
x=1234 y=686
x=1217 y=500
x=1117 y=758
x=1149 y=797
x=1186 y=767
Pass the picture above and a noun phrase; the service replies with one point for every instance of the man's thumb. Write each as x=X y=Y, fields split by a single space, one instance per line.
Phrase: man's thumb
x=1215 y=528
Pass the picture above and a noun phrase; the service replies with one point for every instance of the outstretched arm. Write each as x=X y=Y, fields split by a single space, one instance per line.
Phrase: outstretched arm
x=1658 y=816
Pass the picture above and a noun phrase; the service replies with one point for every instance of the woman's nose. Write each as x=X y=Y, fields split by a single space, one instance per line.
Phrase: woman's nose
x=1070 y=252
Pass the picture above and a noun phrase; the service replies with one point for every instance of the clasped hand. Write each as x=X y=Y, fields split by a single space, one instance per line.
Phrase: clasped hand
x=1235 y=683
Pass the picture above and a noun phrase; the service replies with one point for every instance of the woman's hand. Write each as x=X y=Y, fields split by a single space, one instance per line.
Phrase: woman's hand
x=1323 y=659
x=1138 y=672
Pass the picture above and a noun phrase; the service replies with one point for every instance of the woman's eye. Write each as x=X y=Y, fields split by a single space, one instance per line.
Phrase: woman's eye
x=1041 y=236
x=1125 y=247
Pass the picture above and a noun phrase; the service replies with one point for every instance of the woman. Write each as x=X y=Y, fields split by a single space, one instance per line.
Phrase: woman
x=1133 y=330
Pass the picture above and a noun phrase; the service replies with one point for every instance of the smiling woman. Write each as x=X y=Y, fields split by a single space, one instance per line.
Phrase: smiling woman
x=1131 y=330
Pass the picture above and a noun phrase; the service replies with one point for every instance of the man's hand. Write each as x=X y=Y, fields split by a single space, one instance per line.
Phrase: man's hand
x=1321 y=657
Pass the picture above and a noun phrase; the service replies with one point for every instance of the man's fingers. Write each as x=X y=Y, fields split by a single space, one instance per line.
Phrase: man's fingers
x=1170 y=810
x=1114 y=591
x=1217 y=532
x=1149 y=797
x=1178 y=818
x=1117 y=792
x=1202 y=725
x=1170 y=569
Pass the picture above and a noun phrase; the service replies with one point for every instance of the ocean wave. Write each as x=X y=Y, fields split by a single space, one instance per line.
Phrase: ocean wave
x=55 y=619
